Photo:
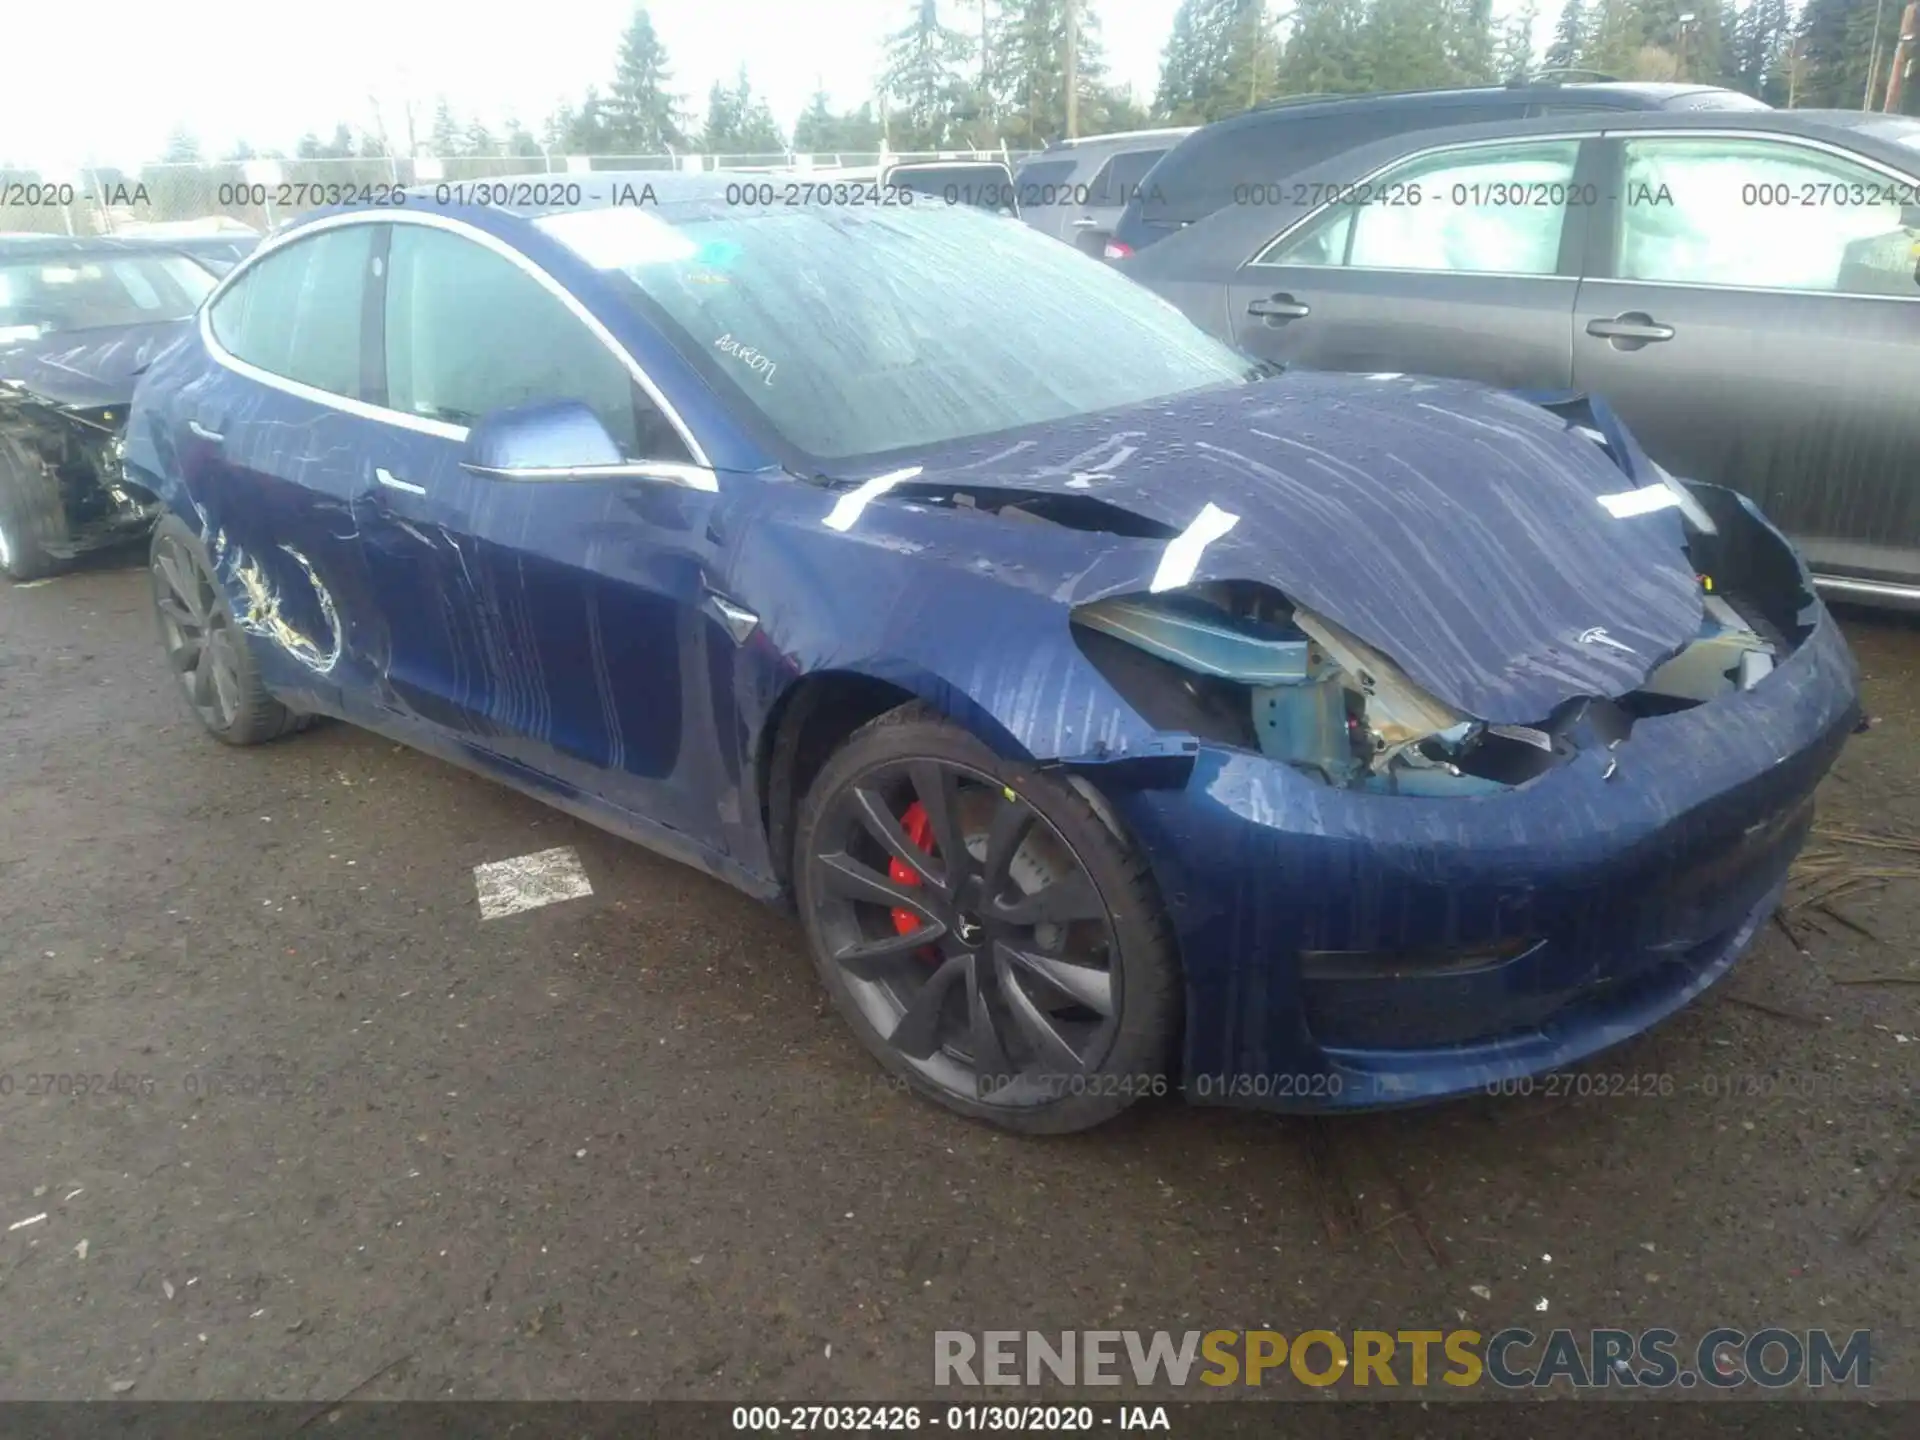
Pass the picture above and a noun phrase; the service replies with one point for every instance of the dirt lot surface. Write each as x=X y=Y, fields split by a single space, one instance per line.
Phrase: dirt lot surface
x=345 y=1133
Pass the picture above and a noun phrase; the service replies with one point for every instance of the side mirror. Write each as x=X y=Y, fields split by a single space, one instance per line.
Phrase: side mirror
x=547 y=441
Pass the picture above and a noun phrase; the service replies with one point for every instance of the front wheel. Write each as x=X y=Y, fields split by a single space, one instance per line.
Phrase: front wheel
x=33 y=521
x=205 y=650
x=991 y=941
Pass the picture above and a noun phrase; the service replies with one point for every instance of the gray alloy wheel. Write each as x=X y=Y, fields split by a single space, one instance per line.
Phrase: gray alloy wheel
x=988 y=937
x=206 y=650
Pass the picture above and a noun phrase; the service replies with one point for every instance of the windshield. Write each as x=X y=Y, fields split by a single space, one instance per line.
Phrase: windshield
x=87 y=292
x=859 y=331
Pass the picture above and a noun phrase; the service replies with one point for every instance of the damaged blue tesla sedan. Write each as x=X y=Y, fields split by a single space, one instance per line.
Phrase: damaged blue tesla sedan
x=1119 y=717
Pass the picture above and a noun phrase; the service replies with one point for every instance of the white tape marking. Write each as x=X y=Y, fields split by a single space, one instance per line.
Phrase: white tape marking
x=1644 y=501
x=847 y=509
x=1183 y=552
x=507 y=887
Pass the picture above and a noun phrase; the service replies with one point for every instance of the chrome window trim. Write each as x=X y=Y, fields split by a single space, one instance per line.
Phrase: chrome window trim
x=1312 y=216
x=419 y=423
x=693 y=477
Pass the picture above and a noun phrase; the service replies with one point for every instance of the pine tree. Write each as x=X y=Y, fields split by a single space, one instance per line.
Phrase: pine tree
x=1617 y=35
x=1029 y=86
x=1513 y=51
x=1327 y=51
x=922 y=80
x=642 y=114
x=1569 y=46
x=445 y=136
x=1468 y=35
x=1405 y=43
x=740 y=122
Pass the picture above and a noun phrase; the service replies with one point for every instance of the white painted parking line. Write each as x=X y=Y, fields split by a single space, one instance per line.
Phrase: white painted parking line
x=509 y=886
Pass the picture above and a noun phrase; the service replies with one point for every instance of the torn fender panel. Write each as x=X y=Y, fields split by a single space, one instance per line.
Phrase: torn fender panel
x=1457 y=529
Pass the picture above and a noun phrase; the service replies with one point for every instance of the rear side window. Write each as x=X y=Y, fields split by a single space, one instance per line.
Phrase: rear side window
x=298 y=313
x=1121 y=176
x=1201 y=176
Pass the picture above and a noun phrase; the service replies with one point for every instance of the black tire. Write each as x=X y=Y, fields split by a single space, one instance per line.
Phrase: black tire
x=33 y=522
x=1096 y=971
x=222 y=687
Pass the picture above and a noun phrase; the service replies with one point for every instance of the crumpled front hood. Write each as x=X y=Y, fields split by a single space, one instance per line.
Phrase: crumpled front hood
x=86 y=369
x=1457 y=529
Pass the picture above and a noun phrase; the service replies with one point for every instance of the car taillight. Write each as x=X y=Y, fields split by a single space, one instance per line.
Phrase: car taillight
x=1117 y=250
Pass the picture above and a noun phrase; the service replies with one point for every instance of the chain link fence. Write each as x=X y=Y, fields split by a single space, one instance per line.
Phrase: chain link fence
x=257 y=195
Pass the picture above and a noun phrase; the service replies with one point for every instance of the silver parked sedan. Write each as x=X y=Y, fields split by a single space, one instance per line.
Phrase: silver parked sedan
x=1744 y=288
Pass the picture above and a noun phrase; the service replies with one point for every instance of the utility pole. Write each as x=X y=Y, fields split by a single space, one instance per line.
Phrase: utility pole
x=1073 y=70
x=1793 y=73
x=1904 y=54
x=1873 y=57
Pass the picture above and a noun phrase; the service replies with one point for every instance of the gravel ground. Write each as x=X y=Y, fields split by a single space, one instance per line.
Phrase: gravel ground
x=346 y=1134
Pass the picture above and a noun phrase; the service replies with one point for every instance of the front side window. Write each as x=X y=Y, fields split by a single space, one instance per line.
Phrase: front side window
x=469 y=331
x=1491 y=209
x=298 y=313
x=854 y=331
x=82 y=291
x=1761 y=214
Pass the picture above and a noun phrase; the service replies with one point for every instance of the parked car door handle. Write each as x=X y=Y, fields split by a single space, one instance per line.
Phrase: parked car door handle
x=1085 y=222
x=204 y=433
x=1278 y=309
x=1634 y=325
x=394 y=482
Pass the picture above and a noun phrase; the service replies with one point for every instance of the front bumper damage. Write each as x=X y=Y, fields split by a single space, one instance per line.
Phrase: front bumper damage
x=78 y=450
x=1351 y=950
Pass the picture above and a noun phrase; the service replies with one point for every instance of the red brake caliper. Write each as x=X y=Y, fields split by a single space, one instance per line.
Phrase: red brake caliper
x=920 y=831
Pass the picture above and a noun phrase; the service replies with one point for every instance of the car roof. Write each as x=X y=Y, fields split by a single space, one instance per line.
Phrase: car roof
x=1241 y=228
x=1116 y=139
x=29 y=246
x=1625 y=95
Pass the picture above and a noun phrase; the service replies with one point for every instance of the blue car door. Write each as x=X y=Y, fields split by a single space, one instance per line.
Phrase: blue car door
x=554 y=625
x=268 y=433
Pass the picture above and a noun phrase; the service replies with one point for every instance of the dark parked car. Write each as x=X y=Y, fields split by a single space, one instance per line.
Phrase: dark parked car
x=79 y=319
x=1116 y=715
x=1240 y=160
x=1743 y=288
x=1075 y=190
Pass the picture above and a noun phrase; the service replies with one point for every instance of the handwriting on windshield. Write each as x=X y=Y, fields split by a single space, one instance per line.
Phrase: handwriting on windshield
x=763 y=366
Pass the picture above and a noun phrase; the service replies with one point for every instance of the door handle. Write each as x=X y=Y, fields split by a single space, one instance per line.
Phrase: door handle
x=1085 y=222
x=205 y=434
x=1278 y=309
x=1634 y=325
x=393 y=482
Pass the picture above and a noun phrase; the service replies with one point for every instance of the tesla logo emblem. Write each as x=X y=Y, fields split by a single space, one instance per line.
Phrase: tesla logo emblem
x=1598 y=636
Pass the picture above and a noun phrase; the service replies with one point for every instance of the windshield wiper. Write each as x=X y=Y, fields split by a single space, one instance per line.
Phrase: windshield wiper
x=1264 y=370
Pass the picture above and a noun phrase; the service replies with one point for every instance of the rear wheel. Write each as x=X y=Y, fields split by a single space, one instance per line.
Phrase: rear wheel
x=206 y=651
x=988 y=937
x=32 y=519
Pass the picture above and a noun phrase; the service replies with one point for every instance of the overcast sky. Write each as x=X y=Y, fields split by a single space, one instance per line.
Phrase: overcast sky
x=106 y=81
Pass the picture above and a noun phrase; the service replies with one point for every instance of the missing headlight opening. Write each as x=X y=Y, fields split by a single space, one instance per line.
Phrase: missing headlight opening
x=1239 y=664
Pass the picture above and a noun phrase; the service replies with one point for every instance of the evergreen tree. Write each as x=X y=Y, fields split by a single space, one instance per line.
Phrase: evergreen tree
x=1405 y=44
x=1513 y=51
x=1221 y=57
x=922 y=80
x=740 y=122
x=1028 y=44
x=1327 y=51
x=1569 y=44
x=643 y=115
x=1468 y=34
x=182 y=148
x=445 y=136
